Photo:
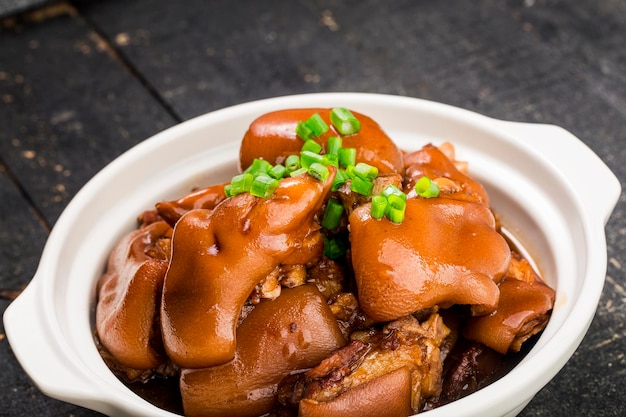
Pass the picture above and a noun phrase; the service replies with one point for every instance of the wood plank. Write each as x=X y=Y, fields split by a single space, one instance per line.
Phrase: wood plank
x=69 y=106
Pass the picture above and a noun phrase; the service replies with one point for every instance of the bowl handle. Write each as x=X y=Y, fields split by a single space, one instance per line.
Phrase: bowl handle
x=596 y=185
x=38 y=351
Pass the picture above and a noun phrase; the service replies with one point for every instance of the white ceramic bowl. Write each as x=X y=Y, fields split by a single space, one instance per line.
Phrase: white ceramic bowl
x=532 y=173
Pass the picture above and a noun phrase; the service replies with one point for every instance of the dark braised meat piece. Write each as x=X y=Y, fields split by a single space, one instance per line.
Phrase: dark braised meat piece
x=129 y=296
x=469 y=367
x=524 y=310
x=401 y=358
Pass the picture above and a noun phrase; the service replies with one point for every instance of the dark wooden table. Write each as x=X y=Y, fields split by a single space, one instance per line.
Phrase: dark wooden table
x=83 y=81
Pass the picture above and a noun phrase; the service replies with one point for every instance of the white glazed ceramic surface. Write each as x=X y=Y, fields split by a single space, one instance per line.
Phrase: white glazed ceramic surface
x=531 y=172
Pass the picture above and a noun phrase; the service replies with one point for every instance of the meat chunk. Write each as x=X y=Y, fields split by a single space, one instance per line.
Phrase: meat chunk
x=524 y=310
x=220 y=255
x=291 y=333
x=129 y=295
x=371 y=356
x=445 y=252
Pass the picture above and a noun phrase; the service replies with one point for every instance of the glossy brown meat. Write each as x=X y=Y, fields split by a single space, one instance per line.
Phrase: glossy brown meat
x=524 y=309
x=469 y=367
x=129 y=297
x=272 y=137
x=389 y=395
x=445 y=252
x=204 y=198
x=358 y=375
x=295 y=331
x=430 y=161
x=219 y=256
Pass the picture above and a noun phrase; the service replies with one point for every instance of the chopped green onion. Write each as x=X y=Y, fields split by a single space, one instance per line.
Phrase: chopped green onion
x=278 y=171
x=344 y=121
x=391 y=203
x=263 y=186
x=319 y=171
x=379 y=206
x=292 y=162
x=298 y=171
x=259 y=166
x=303 y=131
x=333 y=145
x=241 y=183
x=340 y=179
x=313 y=126
x=426 y=188
x=396 y=201
x=394 y=214
x=307 y=158
x=330 y=159
x=393 y=190
x=347 y=156
x=334 y=248
x=332 y=215
x=227 y=190
x=361 y=185
x=317 y=124
x=396 y=208
x=311 y=146
x=365 y=171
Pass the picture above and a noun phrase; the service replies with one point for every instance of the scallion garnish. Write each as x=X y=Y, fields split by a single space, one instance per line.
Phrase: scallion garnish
x=307 y=158
x=303 y=131
x=334 y=248
x=332 y=215
x=258 y=166
x=298 y=171
x=344 y=121
x=292 y=162
x=361 y=186
x=277 y=171
x=311 y=127
x=311 y=146
x=241 y=183
x=317 y=125
x=365 y=171
x=330 y=159
x=347 y=156
x=340 y=179
x=394 y=214
x=319 y=171
x=263 y=186
x=379 y=206
x=391 y=202
x=333 y=145
x=392 y=189
x=426 y=188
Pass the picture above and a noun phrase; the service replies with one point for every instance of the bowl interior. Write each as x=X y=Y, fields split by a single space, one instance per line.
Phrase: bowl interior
x=534 y=202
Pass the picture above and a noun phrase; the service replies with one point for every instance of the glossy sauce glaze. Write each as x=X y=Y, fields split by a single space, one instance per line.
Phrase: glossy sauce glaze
x=223 y=304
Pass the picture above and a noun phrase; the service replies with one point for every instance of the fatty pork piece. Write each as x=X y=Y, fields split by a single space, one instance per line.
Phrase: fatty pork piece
x=445 y=252
x=291 y=333
x=438 y=164
x=272 y=137
x=220 y=255
x=129 y=296
x=524 y=309
x=388 y=372
x=202 y=198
